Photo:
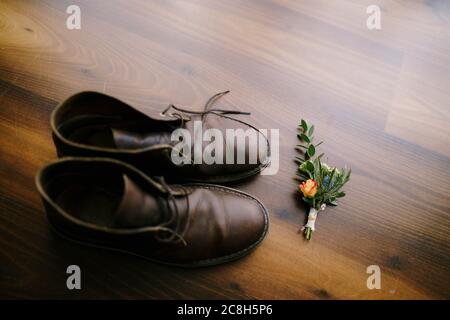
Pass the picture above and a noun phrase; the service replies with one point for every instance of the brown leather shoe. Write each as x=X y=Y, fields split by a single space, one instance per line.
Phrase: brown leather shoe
x=91 y=124
x=107 y=203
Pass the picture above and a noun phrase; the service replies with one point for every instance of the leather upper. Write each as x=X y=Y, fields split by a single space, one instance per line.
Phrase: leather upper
x=110 y=203
x=94 y=124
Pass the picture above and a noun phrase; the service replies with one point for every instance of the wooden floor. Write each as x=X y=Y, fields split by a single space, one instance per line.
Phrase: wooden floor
x=380 y=99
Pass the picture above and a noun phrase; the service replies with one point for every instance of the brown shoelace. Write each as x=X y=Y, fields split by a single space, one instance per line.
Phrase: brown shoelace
x=166 y=233
x=206 y=110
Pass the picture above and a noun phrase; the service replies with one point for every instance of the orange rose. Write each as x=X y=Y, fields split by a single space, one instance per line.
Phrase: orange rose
x=309 y=188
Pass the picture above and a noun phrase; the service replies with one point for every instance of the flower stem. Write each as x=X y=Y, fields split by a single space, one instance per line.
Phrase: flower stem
x=308 y=233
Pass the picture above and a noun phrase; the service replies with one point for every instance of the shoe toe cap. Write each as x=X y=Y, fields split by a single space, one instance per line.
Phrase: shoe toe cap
x=247 y=224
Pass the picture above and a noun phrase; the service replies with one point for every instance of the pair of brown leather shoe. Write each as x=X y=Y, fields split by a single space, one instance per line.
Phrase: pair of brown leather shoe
x=108 y=189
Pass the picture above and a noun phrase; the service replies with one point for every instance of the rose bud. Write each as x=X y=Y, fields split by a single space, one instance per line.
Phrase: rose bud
x=308 y=188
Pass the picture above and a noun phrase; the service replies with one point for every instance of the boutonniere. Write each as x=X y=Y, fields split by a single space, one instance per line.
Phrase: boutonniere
x=321 y=184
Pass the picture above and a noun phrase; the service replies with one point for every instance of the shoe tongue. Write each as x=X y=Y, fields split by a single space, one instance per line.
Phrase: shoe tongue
x=137 y=208
x=132 y=140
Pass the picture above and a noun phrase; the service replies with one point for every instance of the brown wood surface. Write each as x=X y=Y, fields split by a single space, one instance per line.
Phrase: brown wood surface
x=380 y=99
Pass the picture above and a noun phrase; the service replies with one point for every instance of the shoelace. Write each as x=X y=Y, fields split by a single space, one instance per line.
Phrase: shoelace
x=209 y=103
x=165 y=233
x=219 y=112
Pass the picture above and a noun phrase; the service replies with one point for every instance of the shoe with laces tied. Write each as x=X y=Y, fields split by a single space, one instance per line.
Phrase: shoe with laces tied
x=91 y=124
x=110 y=204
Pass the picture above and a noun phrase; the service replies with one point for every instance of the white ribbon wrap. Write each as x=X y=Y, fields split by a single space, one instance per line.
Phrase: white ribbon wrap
x=312 y=216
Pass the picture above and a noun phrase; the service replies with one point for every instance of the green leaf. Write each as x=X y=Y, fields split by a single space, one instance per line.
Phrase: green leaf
x=319 y=177
x=316 y=172
x=299 y=160
x=305 y=138
x=302 y=175
x=347 y=177
x=309 y=166
x=311 y=151
x=340 y=195
x=304 y=125
x=309 y=174
x=311 y=131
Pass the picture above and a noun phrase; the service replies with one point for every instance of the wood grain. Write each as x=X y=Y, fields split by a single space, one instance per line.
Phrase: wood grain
x=380 y=100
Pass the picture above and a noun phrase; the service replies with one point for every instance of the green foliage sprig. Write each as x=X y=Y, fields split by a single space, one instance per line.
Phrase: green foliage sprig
x=321 y=184
x=306 y=137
